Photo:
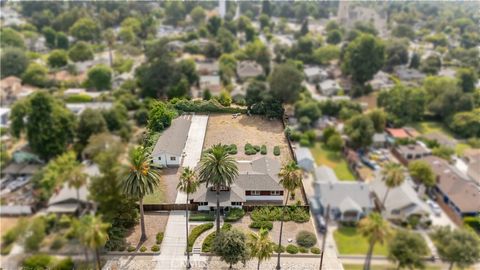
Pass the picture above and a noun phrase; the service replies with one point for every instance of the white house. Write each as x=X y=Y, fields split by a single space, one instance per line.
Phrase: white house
x=304 y=158
x=315 y=74
x=168 y=150
x=329 y=87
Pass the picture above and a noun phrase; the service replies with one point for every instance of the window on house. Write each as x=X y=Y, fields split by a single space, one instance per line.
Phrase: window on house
x=173 y=158
x=236 y=203
x=255 y=192
x=159 y=158
x=276 y=193
x=203 y=203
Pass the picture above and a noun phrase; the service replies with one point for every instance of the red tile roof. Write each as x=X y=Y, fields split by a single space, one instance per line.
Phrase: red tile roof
x=397 y=133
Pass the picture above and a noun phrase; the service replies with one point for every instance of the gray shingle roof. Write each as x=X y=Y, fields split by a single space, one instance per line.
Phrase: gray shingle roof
x=173 y=139
x=325 y=174
x=344 y=195
x=68 y=195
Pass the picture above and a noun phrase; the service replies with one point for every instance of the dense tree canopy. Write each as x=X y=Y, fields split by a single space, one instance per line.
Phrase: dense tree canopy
x=285 y=82
x=400 y=97
x=85 y=29
x=360 y=131
x=81 y=51
x=100 y=77
x=13 y=62
x=90 y=122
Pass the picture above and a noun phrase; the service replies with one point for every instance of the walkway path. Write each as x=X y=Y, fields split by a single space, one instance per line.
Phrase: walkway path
x=172 y=251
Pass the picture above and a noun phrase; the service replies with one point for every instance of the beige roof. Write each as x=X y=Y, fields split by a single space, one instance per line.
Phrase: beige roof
x=247 y=69
x=173 y=139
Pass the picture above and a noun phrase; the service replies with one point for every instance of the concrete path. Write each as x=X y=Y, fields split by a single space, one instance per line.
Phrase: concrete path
x=330 y=257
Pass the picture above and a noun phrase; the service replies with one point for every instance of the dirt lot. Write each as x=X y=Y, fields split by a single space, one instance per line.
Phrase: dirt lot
x=155 y=222
x=223 y=128
x=167 y=191
x=6 y=223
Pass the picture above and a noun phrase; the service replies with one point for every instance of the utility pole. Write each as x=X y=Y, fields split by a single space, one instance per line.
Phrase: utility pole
x=327 y=215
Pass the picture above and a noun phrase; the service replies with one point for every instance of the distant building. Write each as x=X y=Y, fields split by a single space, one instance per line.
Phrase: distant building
x=329 y=87
x=4 y=117
x=407 y=153
x=349 y=15
x=168 y=151
x=325 y=174
x=315 y=74
x=381 y=80
x=69 y=200
x=305 y=159
x=248 y=69
x=408 y=74
x=212 y=83
x=78 y=108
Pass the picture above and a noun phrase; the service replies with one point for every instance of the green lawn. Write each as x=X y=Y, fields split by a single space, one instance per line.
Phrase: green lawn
x=383 y=267
x=350 y=242
x=334 y=160
x=155 y=198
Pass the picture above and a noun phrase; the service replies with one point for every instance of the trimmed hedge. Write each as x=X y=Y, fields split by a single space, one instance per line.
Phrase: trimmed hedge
x=315 y=250
x=155 y=248
x=292 y=249
x=130 y=249
x=196 y=232
x=43 y=261
x=143 y=249
x=234 y=214
x=274 y=213
x=79 y=98
x=212 y=106
x=276 y=150
x=306 y=239
x=278 y=249
x=263 y=150
x=261 y=224
x=232 y=149
x=303 y=250
x=202 y=216
x=250 y=149
x=207 y=244
x=159 y=238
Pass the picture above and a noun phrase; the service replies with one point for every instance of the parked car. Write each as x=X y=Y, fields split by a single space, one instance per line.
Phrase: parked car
x=435 y=208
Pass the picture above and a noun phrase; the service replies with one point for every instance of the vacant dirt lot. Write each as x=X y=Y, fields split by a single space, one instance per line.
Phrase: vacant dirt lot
x=225 y=129
x=155 y=222
x=6 y=223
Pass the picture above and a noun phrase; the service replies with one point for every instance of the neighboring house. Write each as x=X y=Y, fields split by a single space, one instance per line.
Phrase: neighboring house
x=119 y=79
x=397 y=133
x=248 y=69
x=201 y=43
x=168 y=151
x=68 y=201
x=175 y=46
x=257 y=183
x=412 y=132
x=472 y=158
x=381 y=80
x=4 y=117
x=305 y=159
x=448 y=72
x=99 y=58
x=212 y=83
x=453 y=190
x=401 y=202
x=441 y=139
x=329 y=87
x=348 y=201
x=407 y=153
x=408 y=74
x=379 y=140
x=207 y=67
x=348 y=15
x=16 y=210
x=315 y=74
x=11 y=90
x=325 y=174
x=78 y=108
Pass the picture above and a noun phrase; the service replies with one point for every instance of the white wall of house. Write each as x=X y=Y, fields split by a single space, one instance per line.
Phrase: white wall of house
x=214 y=205
x=164 y=160
x=264 y=198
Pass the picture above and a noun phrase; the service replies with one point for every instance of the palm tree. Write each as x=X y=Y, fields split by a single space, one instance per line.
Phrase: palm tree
x=95 y=234
x=375 y=229
x=217 y=169
x=260 y=245
x=291 y=179
x=188 y=184
x=76 y=179
x=109 y=36
x=142 y=179
x=393 y=176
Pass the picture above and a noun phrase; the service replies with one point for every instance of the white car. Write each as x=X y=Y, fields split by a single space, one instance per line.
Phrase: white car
x=435 y=208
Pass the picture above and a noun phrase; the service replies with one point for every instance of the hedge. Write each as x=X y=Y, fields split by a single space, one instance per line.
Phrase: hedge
x=279 y=249
x=315 y=250
x=292 y=249
x=207 y=244
x=155 y=248
x=196 y=232
x=159 y=238
x=211 y=106
x=473 y=222
x=274 y=213
x=306 y=239
x=250 y=149
x=263 y=150
x=232 y=149
x=131 y=249
x=79 y=98
x=276 y=150
x=234 y=214
x=202 y=216
x=43 y=261
x=143 y=249
x=261 y=224
x=303 y=250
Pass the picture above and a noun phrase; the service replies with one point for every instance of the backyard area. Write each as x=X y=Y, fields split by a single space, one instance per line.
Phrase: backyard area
x=256 y=130
x=167 y=191
x=334 y=160
x=155 y=222
x=351 y=242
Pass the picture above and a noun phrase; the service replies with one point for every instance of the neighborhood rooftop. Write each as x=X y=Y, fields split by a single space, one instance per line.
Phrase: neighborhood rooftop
x=172 y=140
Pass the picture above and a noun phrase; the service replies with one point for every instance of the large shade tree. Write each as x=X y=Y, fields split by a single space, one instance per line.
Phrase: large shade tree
x=141 y=179
x=407 y=249
x=231 y=246
x=218 y=169
x=376 y=230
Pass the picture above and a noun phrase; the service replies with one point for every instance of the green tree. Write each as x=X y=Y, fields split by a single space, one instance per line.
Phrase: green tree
x=260 y=246
x=188 y=68
x=304 y=28
x=422 y=172
x=91 y=122
x=431 y=65
x=213 y=25
x=376 y=230
x=142 y=179
x=62 y=41
x=363 y=57
x=407 y=250
x=179 y=90
x=334 y=37
x=100 y=77
x=400 y=97
x=286 y=82
x=231 y=246
x=379 y=119
x=81 y=51
x=360 y=131
x=77 y=178
x=396 y=53
x=36 y=75
x=403 y=31
x=414 y=61
x=335 y=143
x=444 y=96
x=13 y=62
x=49 y=127
x=188 y=184
x=458 y=247
x=85 y=29
x=57 y=58
x=160 y=116
x=11 y=38
x=325 y=54
x=174 y=12
x=198 y=15
x=217 y=169
x=50 y=37
x=290 y=179
x=95 y=234
x=467 y=78
x=466 y=124
x=224 y=98
x=392 y=176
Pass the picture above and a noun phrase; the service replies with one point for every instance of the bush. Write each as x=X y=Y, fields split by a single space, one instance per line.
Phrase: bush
x=78 y=98
x=202 y=216
x=65 y=264
x=143 y=249
x=303 y=250
x=232 y=149
x=263 y=150
x=207 y=244
x=234 y=214
x=279 y=249
x=249 y=149
x=306 y=239
x=304 y=142
x=39 y=261
x=276 y=150
x=212 y=106
x=292 y=249
x=57 y=243
x=155 y=248
x=159 y=238
x=130 y=249
x=257 y=148
x=196 y=232
x=273 y=213
x=261 y=224
x=5 y=249
x=315 y=250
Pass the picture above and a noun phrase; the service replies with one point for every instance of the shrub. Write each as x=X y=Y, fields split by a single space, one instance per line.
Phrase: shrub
x=303 y=250
x=5 y=249
x=261 y=224
x=257 y=148
x=272 y=213
x=315 y=250
x=250 y=149
x=159 y=238
x=279 y=249
x=276 y=150
x=263 y=150
x=234 y=214
x=232 y=149
x=196 y=232
x=155 y=248
x=143 y=249
x=39 y=261
x=211 y=105
x=473 y=222
x=306 y=239
x=36 y=234
x=78 y=98
x=292 y=249
x=202 y=216
x=304 y=142
x=130 y=249
x=207 y=244
x=57 y=243
x=65 y=221
x=65 y=264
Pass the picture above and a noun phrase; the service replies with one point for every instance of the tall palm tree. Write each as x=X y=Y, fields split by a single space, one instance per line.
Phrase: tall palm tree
x=109 y=36
x=142 y=179
x=260 y=245
x=393 y=176
x=77 y=178
x=375 y=229
x=188 y=184
x=217 y=169
x=95 y=234
x=291 y=179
